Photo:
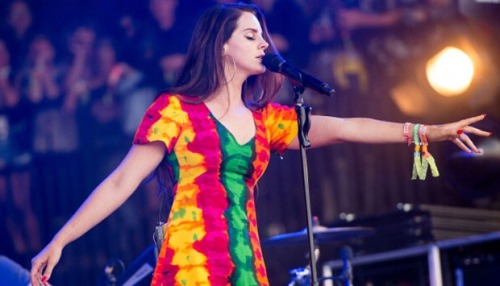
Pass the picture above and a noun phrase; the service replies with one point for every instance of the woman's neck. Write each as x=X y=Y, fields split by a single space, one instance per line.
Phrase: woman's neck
x=227 y=96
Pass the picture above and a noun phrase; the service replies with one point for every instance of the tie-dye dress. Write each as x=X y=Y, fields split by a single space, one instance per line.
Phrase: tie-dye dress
x=211 y=234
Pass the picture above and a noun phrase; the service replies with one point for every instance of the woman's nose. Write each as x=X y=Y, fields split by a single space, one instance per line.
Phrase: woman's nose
x=264 y=44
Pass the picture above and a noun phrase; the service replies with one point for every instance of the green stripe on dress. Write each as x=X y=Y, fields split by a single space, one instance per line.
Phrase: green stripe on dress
x=235 y=166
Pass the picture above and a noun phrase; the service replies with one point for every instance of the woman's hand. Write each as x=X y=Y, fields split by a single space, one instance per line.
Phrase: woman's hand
x=457 y=132
x=43 y=264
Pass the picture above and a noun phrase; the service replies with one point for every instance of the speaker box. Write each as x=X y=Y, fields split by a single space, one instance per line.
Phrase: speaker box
x=140 y=271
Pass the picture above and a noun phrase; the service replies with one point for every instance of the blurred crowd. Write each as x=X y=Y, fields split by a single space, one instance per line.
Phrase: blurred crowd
x=76 y=77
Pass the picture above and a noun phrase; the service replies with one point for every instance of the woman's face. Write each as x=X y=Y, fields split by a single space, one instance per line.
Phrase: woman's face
x=42 y=50
x=246 y=46
x=162 y=8
x=82 y=40
x=19 y=16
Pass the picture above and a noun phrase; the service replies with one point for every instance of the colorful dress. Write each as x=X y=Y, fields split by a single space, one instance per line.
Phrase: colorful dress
x=211 y=234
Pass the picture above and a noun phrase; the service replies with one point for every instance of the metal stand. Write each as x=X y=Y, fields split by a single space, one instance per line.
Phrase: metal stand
x=346 y=256
x=302 y=276
x=304 y=124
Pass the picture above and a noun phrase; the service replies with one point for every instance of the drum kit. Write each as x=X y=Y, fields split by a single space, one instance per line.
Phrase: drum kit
x=322 y=235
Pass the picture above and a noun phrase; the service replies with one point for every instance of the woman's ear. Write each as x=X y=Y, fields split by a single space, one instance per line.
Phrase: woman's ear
x=225 y=49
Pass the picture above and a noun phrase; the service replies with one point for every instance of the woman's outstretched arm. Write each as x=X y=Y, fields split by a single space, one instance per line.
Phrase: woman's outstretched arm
x=140 y=161
x=327 y=130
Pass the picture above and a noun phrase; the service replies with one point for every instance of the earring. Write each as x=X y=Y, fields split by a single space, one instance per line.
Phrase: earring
x=234 y=68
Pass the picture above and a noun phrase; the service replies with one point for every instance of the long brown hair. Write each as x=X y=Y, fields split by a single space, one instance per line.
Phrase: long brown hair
x=203 y=72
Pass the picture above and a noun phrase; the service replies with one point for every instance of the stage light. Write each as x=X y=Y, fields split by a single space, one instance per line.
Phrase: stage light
x=450 y=71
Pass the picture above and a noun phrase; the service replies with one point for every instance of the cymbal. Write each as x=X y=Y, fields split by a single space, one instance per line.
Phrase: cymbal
x=321 y=235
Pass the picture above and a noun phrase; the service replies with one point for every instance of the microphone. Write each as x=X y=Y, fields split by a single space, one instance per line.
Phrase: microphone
x=346 y=256
x=277 y=64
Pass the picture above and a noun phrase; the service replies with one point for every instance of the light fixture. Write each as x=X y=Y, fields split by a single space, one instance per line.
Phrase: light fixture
x=450 y=71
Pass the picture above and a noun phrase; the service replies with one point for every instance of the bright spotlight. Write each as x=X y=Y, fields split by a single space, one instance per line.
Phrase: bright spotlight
x=450 y=71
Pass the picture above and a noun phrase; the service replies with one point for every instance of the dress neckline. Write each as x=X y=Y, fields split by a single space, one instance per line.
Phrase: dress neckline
x=252 y=138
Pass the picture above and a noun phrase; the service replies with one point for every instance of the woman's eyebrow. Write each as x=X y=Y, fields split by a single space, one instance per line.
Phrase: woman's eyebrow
x=251 y=29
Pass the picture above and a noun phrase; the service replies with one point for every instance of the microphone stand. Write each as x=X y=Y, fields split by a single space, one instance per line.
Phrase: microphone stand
x=346 y=256
x=304 y=124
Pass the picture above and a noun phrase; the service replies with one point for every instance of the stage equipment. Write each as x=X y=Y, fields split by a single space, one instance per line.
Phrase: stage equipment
x=140 y=271
x=298 y=77
x=300 y=80
x=321 y=235
x=465 y=261
x=412 y=225
x=403 y=246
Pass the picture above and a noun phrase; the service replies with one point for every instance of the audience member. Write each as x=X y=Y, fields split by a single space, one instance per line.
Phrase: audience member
x=79 y=46
x=167 y=39
x=15 y=162
x=18 y=30
x=99 y=115
x=12 y=273
x=39 y=81
x=54 y=132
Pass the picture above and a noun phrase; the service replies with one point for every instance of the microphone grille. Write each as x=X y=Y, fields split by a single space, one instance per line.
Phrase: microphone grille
x=273 y=62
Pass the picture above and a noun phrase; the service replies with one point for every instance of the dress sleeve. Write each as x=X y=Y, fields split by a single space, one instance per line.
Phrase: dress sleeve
x=160 y=122
x=281 y=125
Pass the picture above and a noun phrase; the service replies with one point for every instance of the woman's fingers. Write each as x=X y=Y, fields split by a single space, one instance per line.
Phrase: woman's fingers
x=476 y=131
x=461 y=145
x=36 y=273
x=47 y=273
x=465 y=143
x=42 y=266
x=452 y=131
x=471 y=120
x=461 y=138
